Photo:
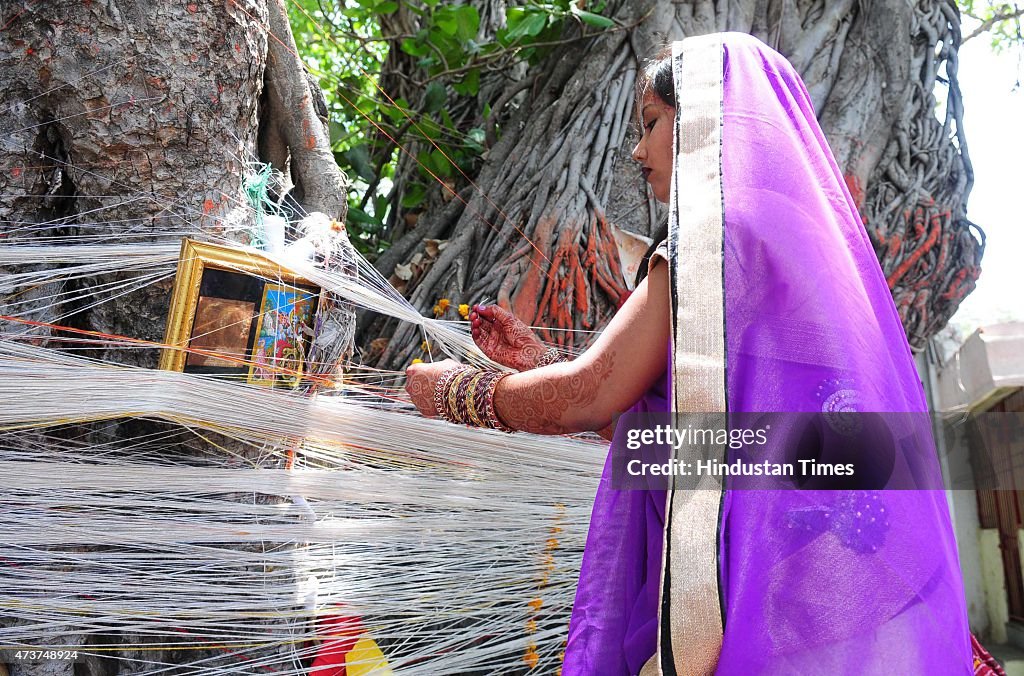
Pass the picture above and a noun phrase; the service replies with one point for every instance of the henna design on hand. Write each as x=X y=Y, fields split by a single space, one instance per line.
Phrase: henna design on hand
x=505 y=338
x=539 y=405
x=420 y=380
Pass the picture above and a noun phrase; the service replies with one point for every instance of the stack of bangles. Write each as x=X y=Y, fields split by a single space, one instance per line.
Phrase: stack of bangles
x=466 y=396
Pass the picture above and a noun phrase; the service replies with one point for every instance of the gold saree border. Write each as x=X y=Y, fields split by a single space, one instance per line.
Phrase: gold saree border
x=690 y=626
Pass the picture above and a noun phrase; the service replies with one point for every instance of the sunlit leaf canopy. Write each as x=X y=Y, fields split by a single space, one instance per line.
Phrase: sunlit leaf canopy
x=1000 y=21
x=346 y=45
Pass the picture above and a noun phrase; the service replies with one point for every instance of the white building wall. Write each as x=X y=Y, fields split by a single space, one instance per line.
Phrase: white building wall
x=986 y=368
x=963 y=510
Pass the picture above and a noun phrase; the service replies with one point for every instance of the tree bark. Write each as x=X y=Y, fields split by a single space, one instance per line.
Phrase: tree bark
x=126 y=122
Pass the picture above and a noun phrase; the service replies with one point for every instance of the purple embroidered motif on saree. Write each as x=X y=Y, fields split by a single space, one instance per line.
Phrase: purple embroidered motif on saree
x=831 y=582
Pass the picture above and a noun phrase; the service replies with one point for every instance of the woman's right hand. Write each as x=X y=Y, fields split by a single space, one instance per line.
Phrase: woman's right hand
x=420 y=381
x=504 y=338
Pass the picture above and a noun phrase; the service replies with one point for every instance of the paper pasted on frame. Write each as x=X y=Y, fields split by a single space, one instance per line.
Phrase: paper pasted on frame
x=284 y=329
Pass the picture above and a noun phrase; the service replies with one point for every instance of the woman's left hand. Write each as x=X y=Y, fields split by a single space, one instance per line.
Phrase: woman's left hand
x=505 y=338
x=420 y=380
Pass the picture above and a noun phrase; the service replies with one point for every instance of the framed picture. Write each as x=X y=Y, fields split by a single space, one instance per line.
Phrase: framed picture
x=237 y=314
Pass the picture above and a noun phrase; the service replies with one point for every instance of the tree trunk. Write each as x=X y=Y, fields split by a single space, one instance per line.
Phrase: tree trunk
x=538 y=232
x=127 y=121
x=123 y=123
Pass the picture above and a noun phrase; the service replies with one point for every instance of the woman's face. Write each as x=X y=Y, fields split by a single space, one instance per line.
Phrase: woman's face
x=654 y=150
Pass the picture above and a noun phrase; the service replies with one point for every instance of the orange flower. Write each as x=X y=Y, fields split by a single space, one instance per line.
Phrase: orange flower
x=441 y=307
x=417 y=361
x=531 y=657
x=464 y=311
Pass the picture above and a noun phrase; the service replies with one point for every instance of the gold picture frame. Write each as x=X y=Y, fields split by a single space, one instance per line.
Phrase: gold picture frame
x=237 y=314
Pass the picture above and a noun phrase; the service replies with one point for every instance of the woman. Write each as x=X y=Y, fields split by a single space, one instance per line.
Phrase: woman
x=769 y=297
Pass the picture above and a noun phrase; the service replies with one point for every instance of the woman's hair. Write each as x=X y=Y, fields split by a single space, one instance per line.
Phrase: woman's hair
x=655 y=76
x=658 y=236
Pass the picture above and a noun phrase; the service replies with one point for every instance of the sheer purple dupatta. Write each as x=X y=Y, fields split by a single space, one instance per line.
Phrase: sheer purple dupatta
x=811 y=326
x=806 y=323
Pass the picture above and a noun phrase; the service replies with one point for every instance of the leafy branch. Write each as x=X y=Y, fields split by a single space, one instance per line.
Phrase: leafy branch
x=999 y=20
x=444 y=67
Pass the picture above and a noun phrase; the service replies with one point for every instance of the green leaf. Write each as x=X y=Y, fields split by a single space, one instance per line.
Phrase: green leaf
x=396 y=112
x=426 y=165
x=414 y=47
x=359 y=159
x=475 y=139
x=468 y=19
x=414 y=196
x=592 y=19
x=529 y=55
x=447 y=119
x=337 y=130
x=448 y=45
x=514 y=15
x=530 y=25
x=360 y=217
x=435 y=97
x=470 y=84
x=442 y=167
x=429 y=128
x=447 y=21
x=434 y=164
x=386 y=7
x=459 y=21
x=535 y=24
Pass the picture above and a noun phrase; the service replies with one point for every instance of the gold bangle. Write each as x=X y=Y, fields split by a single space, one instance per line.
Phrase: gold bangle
x=453 y=388
x=474 y=415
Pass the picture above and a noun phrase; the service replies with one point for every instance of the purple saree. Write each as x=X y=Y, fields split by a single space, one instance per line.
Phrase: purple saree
x=615 y=615
x=779 y=304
